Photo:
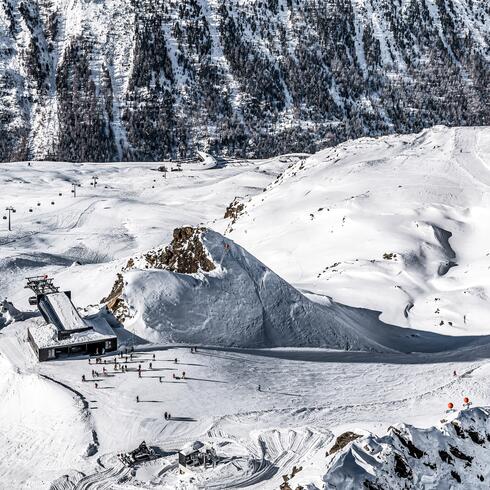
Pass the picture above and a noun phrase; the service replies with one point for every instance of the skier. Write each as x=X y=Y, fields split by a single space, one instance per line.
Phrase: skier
x=151 y=365
x=176 y=360
x=137 y=399
x=454 y=373
x=258 y=388
x=183 y=374
x=89 y=360
x=83 y=378
x=165 y=415
x=160 y=379
x=153 y=356
x=96 y=385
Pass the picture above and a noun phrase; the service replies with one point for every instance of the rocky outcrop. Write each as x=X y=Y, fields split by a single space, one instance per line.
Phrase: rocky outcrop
x=115 y=302
x=185 y=255
x=410 y=458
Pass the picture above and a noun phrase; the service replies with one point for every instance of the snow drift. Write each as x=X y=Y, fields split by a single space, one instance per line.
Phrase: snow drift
x=205 y=289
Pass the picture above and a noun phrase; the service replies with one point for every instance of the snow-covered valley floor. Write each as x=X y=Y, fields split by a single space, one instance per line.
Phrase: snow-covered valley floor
x=62 y=433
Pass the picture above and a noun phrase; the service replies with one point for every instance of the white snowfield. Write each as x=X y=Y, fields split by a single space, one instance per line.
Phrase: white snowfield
x=392 y=254
x=399 y=225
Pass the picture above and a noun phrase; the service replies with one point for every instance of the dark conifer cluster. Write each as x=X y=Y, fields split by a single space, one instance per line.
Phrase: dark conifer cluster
x=246 y=79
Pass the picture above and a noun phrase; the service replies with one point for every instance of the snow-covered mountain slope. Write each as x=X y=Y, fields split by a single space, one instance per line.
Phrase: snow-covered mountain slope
x=234 y=301
x=149 y=79
x=60 y=431
x=455 y=452
x=205 y=289
x=132 y=209
x=396 y=224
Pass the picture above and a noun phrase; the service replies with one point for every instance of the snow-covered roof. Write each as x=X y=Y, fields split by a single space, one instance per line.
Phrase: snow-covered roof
x=46 y=335
x=195 y=447
x=65 y=311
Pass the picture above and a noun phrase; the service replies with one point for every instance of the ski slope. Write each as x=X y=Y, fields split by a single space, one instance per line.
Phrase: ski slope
x=379 y=233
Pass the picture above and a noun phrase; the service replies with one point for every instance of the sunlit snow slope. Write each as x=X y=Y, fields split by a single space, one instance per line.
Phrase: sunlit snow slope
x=395 y=224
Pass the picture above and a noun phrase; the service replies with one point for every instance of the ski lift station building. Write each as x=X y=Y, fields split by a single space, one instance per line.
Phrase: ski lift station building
x=65 y=331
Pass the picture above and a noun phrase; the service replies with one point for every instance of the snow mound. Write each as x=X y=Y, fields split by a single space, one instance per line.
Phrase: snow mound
x=205 y=289
x=408 y=457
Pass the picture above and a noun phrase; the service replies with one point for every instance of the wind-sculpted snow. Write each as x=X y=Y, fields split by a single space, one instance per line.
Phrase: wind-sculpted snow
x=152 y=79
x=396 y=224
x=454 y=452
x=239 y=303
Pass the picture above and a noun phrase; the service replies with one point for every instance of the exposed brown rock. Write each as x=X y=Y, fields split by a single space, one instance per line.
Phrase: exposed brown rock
x=234 y=210
x=343 y=440
x=117 y=290
x=115 y=304
x=185 y=255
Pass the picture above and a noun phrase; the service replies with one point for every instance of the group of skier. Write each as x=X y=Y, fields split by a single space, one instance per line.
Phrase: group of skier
x=123 y=368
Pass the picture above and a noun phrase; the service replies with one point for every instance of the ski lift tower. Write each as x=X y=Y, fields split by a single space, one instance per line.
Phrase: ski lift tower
x=9 y=210
x=74 y=186
x=40 y=285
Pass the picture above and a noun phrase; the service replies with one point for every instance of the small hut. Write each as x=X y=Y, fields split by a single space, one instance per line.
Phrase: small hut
x=197 y=455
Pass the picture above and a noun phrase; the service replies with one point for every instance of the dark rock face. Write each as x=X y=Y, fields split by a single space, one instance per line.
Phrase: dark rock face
x=115 y=303
x=342 y=441
x=402 y=470
x=234 y=209
x=185 y=255
x=157 y=79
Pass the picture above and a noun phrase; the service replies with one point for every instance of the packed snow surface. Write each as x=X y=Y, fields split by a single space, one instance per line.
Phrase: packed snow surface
x=395 y=226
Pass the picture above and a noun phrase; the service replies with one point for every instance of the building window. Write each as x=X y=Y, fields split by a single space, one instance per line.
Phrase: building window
x=51 y=353
x=108 y=344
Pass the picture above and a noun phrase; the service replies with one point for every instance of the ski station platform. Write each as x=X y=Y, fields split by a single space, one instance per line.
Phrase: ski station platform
x=65 y=331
